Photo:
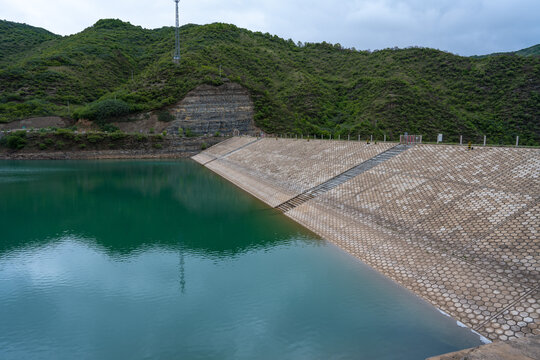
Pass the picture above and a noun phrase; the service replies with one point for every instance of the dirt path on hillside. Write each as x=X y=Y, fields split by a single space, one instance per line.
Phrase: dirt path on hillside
x=36 y=123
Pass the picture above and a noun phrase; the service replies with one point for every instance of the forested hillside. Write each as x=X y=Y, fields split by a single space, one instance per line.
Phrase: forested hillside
x=115 y=68
x=17 y=38
x=531 y=51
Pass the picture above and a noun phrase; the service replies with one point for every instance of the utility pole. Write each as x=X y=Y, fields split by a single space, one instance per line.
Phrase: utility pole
x=176 y=57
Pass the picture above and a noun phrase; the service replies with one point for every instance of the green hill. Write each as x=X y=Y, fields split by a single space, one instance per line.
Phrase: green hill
x=531 y=51
x=17 y=38
x=114 y=68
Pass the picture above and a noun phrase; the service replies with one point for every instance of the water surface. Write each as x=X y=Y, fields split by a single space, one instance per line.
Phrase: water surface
x=150 y=259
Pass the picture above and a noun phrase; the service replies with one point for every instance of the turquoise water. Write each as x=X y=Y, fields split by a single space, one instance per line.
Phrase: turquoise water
x=149 y=259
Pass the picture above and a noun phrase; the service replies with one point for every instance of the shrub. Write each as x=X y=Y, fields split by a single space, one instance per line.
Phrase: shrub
x=109 y=128
x=158 y=146
x=16 y=141
x=165 y=116
x=117 y=135
x=204 y=146
x=152 y=130
x=217 y=134
x=94 y=138
x=141 y=137
x=82 y=146
x=42 y=146
x=164 y=133
x=59 y=144
x=65 y=133
x=189 y=133
x=102 y=110
x=20 y=133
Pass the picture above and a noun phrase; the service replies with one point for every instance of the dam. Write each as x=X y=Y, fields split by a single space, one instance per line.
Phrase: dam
x=459 y=228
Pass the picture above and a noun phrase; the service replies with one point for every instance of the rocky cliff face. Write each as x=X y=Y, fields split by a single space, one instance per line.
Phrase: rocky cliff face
x=210 y=109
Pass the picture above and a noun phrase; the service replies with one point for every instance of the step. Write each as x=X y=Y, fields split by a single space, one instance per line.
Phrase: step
x=341 y=178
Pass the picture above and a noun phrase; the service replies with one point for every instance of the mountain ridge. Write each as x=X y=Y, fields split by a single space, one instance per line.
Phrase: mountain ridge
x=317 y=88
x=17 y=37
x=530 y=51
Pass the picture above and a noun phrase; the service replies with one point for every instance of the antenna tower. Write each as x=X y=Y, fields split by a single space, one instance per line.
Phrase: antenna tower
x=176 y=57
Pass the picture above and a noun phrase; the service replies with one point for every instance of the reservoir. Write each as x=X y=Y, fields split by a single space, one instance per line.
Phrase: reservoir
x=165 y=259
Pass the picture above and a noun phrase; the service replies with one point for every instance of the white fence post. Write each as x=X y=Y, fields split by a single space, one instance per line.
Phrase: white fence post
x=484 y=140
x=517 y=141
x=384 y=137
x=460 y=139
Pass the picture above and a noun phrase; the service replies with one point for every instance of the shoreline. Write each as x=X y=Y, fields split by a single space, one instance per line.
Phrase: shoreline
x=70 y=146
x=99 y=155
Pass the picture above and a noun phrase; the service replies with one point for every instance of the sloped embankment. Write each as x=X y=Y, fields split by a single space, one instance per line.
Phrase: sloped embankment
x=459 y=228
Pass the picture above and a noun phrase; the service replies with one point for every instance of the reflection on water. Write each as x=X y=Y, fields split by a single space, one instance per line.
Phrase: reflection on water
x=165 y=260
x=128 y=205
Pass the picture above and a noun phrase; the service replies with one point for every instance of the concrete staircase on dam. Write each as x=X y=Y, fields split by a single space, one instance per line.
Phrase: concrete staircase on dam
x=341 y=178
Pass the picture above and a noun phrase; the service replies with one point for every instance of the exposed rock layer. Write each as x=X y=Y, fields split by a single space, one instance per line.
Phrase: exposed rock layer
x=227 y=109
x=209 y=109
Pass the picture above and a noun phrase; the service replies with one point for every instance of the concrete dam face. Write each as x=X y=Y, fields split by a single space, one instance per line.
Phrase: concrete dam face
x=209 y=109
x=459 y=228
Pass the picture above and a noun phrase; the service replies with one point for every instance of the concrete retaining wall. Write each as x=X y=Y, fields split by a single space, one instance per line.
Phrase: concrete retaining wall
x=459 y=228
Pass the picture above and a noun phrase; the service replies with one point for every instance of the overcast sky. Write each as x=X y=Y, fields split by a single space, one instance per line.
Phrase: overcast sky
x=465 y=27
